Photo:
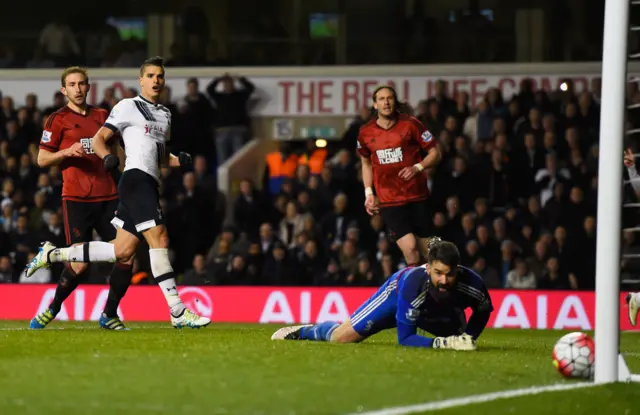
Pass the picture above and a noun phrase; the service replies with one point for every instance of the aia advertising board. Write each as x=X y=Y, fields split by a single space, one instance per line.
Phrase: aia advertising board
x=513 y=309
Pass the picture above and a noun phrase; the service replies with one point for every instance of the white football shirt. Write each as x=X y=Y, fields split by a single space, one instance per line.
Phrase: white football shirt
x=145 y=129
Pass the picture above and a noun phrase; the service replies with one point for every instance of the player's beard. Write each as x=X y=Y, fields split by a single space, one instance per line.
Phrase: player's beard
x=441 y=295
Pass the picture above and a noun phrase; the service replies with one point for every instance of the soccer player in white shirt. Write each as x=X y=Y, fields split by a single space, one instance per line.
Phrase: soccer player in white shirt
x=145 y=128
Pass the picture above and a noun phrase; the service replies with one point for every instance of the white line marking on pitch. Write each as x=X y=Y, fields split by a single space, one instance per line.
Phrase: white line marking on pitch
x=81 y=328
x=474 y=399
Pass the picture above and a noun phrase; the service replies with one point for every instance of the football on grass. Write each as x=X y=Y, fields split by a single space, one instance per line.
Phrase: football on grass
x=573 y=356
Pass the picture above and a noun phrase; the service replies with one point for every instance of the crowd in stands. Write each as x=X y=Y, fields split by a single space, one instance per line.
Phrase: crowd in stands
x=516 y=191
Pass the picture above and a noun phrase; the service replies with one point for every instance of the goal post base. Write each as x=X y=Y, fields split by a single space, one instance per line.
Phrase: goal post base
x=624 y=374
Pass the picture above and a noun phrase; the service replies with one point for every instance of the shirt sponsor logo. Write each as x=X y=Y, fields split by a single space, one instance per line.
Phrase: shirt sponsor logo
x=86 y=145
x=152 y=128
x=390 y=155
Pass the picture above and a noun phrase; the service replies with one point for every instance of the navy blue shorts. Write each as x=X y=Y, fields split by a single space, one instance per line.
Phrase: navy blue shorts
x=139 y=207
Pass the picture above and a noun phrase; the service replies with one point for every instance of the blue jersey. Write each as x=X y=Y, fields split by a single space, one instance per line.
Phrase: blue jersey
x=408 y=301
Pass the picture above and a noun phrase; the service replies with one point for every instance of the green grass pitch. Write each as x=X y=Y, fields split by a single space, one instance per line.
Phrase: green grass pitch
x=75 y=368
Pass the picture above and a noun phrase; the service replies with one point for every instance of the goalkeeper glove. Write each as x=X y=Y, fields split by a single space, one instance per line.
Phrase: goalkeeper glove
x=462 y=342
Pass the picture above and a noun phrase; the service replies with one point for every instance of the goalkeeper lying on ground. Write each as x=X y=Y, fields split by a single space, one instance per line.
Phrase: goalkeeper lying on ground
x=431 y=297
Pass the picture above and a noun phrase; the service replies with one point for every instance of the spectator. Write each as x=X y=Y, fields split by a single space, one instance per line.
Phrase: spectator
x=278 y=267
x=248 y=210
x=199 y=274
x=232 y=124
x=6 y=270
x=553 y=278
x=59 y=43
x=291 y=225
x=195 y=121
x=521 y=277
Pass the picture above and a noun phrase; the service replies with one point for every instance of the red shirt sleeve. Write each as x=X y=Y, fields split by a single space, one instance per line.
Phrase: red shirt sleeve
x=422 y=135
x=361 y=147
x=52 y=133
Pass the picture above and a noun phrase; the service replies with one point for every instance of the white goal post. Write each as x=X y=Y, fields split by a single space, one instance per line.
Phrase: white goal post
x=609 y=364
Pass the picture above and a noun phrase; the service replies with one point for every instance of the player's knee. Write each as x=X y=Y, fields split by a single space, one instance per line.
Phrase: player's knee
x=78 y=268
x=124 y=252
x=343 y=338
x=157 y=237
x=345 y=333
x=129 y=262
x=163 y=241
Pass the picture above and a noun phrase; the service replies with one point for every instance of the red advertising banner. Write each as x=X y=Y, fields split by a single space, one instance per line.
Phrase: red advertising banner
x=289 y=305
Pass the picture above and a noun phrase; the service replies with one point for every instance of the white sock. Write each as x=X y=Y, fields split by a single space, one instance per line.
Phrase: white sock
x=87 y=252
x=163 y=273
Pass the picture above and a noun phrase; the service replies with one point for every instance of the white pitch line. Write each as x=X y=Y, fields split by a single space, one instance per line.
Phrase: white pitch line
x=474 y=399
x=82 y=328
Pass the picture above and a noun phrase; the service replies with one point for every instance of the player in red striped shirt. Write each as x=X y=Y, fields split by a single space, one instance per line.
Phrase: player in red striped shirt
x=89 y=192
x=391 y=147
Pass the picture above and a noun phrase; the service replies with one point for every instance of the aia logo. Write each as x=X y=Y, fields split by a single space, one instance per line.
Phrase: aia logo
x=196 y=299
x=150 y=129
x=76 y=232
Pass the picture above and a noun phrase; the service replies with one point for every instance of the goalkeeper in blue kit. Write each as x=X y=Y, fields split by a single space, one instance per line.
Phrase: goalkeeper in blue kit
x=431 y=297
